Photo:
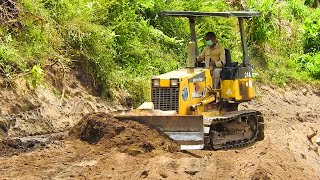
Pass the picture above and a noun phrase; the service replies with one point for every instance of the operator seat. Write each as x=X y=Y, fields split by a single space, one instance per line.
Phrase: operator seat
x=230 y=69
x=229 y=62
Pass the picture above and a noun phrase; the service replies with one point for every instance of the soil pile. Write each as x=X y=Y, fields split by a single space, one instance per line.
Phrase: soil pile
x=126 y=136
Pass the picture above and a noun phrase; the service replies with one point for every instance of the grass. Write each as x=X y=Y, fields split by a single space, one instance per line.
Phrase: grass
x=122 y=44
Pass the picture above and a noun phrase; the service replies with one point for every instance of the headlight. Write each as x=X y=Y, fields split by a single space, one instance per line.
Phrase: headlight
x=174 y=82
x=155 y=82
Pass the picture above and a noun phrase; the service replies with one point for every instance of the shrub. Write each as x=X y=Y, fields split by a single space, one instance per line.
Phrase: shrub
x=311 y=64
x=311 y=35
x=123 y=43
x=262 y=29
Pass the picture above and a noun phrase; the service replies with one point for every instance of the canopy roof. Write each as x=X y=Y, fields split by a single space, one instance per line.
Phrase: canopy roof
x=189 y=14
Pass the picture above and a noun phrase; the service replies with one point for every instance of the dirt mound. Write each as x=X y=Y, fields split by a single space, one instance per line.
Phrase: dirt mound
x=126 y=136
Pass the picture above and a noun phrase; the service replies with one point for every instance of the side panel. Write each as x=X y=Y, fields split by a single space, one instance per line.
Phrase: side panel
x=230 y=90
x=184 y=98
x=238 y=89
x=246 y=83
x=192 y=91
x=246 y=89
x=197 y=85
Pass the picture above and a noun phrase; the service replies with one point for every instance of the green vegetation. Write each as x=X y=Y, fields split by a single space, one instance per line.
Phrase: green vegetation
x=122 y=43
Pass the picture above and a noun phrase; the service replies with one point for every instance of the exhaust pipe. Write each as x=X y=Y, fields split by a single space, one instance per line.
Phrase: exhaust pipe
x=191 y=57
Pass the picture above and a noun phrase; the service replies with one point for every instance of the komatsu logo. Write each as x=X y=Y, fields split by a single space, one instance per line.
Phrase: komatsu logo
x=200 y=79
x=198 y=94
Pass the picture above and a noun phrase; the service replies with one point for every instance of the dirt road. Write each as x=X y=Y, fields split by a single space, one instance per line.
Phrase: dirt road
x=286 y=153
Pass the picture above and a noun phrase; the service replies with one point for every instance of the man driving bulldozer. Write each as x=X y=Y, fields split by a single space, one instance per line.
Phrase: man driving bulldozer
x=214 y=57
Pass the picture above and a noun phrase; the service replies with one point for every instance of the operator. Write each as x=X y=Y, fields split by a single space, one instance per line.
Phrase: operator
x=214 y=57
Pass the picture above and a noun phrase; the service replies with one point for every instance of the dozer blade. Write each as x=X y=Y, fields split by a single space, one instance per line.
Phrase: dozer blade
x=185 y=130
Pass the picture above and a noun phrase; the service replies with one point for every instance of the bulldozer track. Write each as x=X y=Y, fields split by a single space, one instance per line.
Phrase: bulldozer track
x=232 y=115
x=224 y=167
x=235 y=115
x=236 y=144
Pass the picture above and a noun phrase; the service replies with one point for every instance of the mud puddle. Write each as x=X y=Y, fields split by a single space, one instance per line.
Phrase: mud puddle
x=18 y=145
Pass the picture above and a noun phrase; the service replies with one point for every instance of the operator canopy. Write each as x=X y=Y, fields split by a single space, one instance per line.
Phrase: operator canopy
x=192 y=15
x=243 y=14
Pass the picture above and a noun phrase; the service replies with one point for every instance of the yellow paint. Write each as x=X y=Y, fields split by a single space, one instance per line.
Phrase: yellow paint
x=193 y=97
x=164 y=82
x=238 y=89
x=208 y=100
x=247 y=83
x=184 y=105
x=235 y=90
x=208 y=78
x=230 y=89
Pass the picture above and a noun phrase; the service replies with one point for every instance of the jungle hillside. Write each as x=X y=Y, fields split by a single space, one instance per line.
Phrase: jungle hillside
x=120 y=44
x=69 y=67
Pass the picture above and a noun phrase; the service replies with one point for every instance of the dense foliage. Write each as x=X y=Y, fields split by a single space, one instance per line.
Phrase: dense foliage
x=122 y=43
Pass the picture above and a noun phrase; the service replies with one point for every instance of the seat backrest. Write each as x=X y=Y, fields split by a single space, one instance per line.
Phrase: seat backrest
x=229 y=62
x=230 y=69
x=228 y=56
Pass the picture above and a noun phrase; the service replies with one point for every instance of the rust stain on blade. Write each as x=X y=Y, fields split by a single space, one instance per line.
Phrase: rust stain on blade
x=169 y=123
x=185 y=130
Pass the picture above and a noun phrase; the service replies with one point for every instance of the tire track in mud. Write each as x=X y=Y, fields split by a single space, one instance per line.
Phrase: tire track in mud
x=75 y=165
x=224 y=166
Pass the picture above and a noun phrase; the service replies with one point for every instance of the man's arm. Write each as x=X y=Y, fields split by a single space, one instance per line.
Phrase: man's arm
x=222 y=58
x=200 y=58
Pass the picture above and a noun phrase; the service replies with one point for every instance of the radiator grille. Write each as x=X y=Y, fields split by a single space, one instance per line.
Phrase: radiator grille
x=165 y=98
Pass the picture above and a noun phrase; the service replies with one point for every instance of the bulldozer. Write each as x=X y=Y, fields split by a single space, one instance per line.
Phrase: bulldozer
x=185 y=106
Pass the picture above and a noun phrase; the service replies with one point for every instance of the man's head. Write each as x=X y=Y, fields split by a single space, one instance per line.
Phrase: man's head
x=211 y=39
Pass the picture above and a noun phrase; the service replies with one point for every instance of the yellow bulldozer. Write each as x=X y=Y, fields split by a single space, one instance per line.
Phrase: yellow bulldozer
x=185 y=106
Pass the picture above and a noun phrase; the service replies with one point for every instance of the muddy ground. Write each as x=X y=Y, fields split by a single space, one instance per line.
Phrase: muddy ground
x=43 y=139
